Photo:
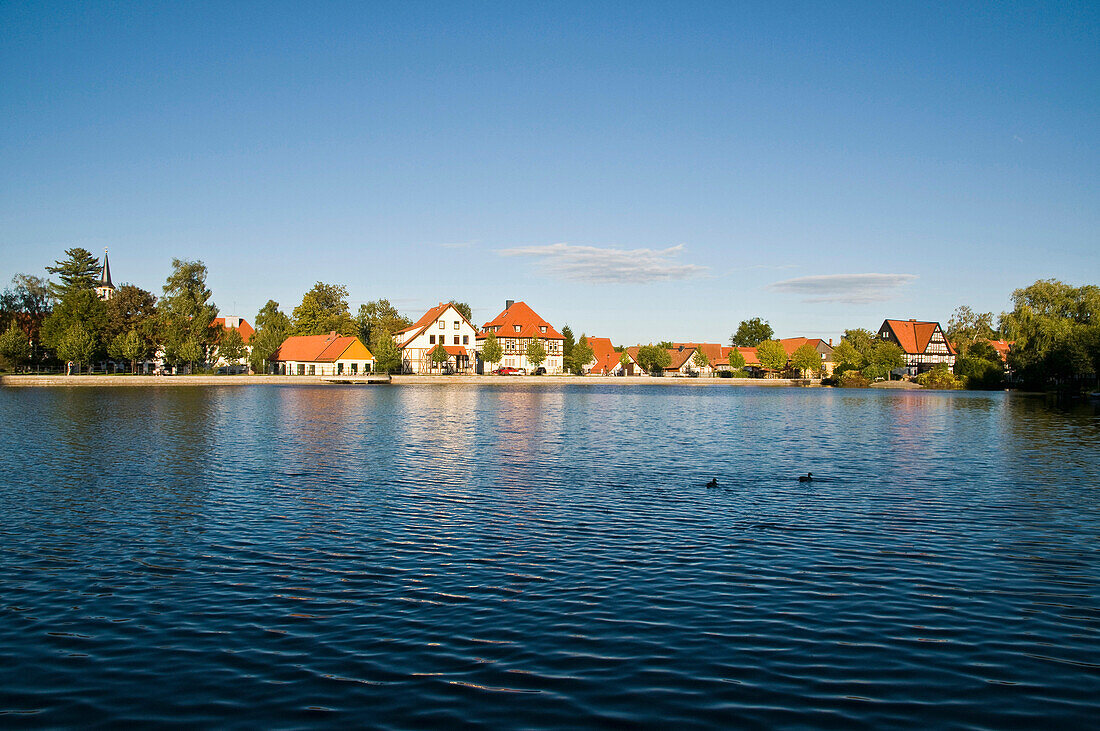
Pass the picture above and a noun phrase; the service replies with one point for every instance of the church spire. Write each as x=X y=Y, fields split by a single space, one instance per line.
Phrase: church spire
x=105 y=275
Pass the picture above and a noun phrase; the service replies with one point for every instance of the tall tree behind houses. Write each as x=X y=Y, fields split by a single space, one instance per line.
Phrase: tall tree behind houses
x=79 y=270
x=378 y=321
x=324 y=309
x=272 y=328
x=186 y=313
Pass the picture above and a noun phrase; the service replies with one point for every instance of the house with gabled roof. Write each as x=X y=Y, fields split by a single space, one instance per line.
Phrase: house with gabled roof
x=441 y=325
x=922 y=342
x=606 y=361
x=823 y=348
x=514 y=328
x=752 y=362
x=241 y=325
x=322 y=355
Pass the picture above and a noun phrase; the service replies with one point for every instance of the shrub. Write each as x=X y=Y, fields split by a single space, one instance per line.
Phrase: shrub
x=852 y=379
x=940 y=377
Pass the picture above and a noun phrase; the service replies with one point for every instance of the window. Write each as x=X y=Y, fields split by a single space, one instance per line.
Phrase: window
x=456 y=324
x=465 y=339
x=431 y=339
x=312 y=370
x=339 y=369
x=516 y=327
x=456 y=340
x=442 y=325
x=354 y=368
x=542 y=328
x=301 y=369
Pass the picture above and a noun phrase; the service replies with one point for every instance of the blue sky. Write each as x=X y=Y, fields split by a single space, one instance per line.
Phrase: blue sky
x=639 y=171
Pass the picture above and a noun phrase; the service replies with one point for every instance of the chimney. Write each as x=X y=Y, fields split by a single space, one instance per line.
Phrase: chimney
x=332 y=333
x=508 y=304
x=912 y=319
x=830 y=342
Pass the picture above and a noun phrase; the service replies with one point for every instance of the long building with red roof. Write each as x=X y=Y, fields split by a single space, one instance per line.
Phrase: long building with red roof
x=322 y=355
x=514 y=328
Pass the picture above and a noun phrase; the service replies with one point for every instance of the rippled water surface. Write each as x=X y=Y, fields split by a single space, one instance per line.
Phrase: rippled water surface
x=547 y=557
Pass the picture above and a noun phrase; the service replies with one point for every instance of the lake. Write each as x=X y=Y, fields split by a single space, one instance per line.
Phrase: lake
x=547 y=557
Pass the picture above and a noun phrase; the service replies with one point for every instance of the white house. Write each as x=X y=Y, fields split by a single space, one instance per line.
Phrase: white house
x=442 y=325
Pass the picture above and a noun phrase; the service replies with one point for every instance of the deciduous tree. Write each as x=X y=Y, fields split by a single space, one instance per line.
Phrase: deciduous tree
x=582 y=355
x=700 y=359
x=272 y=328
x=751 y=333
x=653 y=358
x=491 y=352
x=806 y=359
x=231 y=346
x=387 y=356
x=536 y=353
x=378 y=321
x=77 y=345
x=15 y=348
x=324 y=309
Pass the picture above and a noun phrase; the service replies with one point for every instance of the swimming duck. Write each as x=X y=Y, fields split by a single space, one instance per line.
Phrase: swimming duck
x=808 y=477
x=713 y=483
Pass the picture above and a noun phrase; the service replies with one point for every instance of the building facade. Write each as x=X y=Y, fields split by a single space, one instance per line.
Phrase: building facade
x=515 y=328
x=442 y=325
x=322 y=355
x=923 y=343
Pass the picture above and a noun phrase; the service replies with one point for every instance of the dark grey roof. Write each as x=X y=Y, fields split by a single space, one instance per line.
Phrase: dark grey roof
x=105 y=275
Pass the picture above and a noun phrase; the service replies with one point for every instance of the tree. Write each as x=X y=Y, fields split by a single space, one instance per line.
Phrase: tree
x=378 y=321
x=653 y=358
x=939 y=377
x=737 y=359
x=1057 y=330
x=981 y=366
x=700 y=359
x=15 y=348
x=78 y=271
x=862 y=340
x=186 y=313
x=491 y=352
x=133 y=348
x=78 y=307
x=231 y=347
x=567 y=349
x=324 y=309
x=439 y=355
x=772 y=355
x=536 y=353
x=883 y=357
x=190 y=351
x=131 y=308
x=272 y=328
x=751 y=333
x=76 y=345
x=624 y=360
x=806 y=359
x=582 y=355
x=463 y=309
x=387 y=356
x=967 y=326
x=847 y=357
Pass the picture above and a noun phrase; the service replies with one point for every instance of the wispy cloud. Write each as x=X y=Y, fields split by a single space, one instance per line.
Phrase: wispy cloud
x=609 y=266
x=854 y=289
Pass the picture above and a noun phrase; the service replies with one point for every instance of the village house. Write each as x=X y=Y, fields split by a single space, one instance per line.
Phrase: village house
x=322 y=355
x=606 y=361
x=923 y=343
x=441 y=325
x=240 y=325
x=824 y=349
x=514 y=329
x=752 y=362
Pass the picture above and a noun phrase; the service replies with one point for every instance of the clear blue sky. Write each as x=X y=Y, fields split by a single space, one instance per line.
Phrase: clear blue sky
x=639 y=171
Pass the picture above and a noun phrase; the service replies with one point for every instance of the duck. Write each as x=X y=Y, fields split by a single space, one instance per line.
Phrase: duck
x=713 y=482
x=808 y=477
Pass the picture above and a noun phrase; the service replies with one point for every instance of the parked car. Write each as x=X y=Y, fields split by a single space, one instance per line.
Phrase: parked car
x=507 y=371
x=540 y=371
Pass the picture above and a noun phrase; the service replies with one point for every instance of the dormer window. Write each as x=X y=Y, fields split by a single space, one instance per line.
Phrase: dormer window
x=542 y=328
x=516 y=327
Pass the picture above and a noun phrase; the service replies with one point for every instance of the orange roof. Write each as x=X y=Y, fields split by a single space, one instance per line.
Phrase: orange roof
x=245 y=329
x=316 y=348
x=677 y=356
x=749 y=354
x=603 y=352
x=456 y=350
x=1002 y=347
x=713 y=350
x=914 y=335
x=427 y=320
x=529 y=323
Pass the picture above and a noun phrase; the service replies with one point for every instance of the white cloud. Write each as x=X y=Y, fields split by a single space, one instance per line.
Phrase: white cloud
x=609 y=266
x=855 y=289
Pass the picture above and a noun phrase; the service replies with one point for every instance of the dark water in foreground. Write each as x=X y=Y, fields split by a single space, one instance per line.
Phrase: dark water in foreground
x=547 y=557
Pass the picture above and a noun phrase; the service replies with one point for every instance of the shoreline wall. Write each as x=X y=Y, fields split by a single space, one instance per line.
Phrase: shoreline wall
x=60 y=381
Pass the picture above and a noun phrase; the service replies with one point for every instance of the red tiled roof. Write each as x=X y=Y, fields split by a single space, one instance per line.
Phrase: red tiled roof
x=914 y=335
x=528 y=321
x=314 y=348
x=603 y=352
x=713 y=350
x=456 y=350
x=749 y=354
x=1002 y=347
x=245 y=329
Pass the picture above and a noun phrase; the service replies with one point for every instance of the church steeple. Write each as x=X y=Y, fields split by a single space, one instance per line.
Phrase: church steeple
x=105 y=289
